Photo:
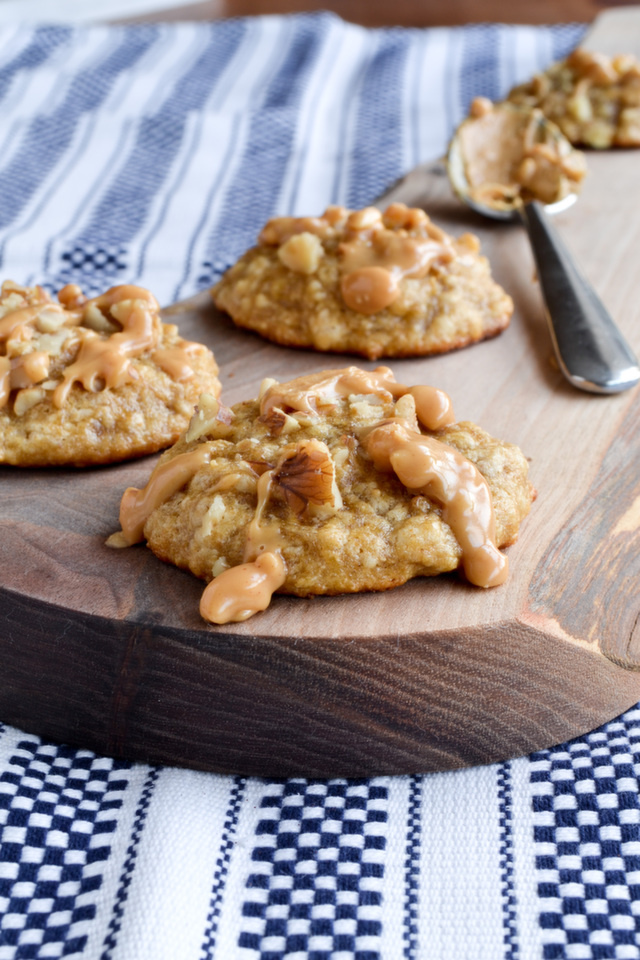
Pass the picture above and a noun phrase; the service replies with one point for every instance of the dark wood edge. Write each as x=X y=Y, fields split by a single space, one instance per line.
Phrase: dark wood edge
x=286 y=707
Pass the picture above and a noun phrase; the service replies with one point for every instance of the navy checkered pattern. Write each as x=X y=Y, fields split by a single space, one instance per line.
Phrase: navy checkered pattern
x=58 y=810
x=316 y=885
x=587 y=837
x=92 y=267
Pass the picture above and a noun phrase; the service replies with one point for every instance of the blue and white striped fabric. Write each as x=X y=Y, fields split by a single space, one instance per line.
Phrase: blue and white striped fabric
x=534 y=859
x=153 y=155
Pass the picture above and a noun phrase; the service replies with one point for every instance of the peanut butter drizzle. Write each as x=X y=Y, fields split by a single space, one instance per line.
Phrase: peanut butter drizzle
x=375 y=261
x=305 y=393
x=241 y=591
x=167 y=478
x=377 y=252
x=280 y=229
x=19 y=323
x=106 y=362
x=262 y=538
x=19 y=373
x=424 y=465
x=505 y=161
x=238 y=593
x=433 y=406
x=176 y=360
x=102 y=360
x=29 y=369
x=71 y=296
x=5 y=380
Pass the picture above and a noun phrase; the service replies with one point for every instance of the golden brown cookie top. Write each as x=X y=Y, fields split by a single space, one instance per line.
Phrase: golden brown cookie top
x=375 y=249
x=375 y=283
x=338 y=481
x=55 y=345
x=62 y=362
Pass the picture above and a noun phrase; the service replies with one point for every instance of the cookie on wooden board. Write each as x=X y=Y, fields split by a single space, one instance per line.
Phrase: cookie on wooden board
x=93 y=381
x=336 y=482
x=389 y=284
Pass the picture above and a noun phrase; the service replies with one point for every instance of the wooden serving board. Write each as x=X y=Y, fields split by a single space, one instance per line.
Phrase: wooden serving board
x=106 y=649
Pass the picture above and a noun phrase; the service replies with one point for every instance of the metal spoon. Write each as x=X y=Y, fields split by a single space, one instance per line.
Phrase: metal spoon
x=592 y=353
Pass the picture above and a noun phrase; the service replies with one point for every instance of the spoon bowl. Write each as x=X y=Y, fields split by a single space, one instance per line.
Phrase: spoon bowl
x=591 y=351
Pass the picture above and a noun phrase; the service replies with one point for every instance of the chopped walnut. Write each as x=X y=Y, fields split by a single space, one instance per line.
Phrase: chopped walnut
x=259 y=466
x=364 y=219
x=50 y=319
x=306 y=476
x=277 y=422
x=211 y=418
x=220 y=566
x=301 y=253
x=405 y=409
x=278 y=230
x=266 y=384
x=25 y=399
x=29 y=369
x=96 y=320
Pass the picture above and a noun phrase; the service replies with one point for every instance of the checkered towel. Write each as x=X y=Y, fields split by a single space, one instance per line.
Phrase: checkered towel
x=153 y=155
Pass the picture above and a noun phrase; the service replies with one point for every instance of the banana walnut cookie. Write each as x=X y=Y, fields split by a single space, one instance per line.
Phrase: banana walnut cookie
x=89 y=381
x=593 y=98
x=367 y=282
x=336 y=482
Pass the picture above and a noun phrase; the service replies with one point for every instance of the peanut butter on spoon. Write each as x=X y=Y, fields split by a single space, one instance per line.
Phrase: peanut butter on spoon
x=510 y=163
x=511 y=155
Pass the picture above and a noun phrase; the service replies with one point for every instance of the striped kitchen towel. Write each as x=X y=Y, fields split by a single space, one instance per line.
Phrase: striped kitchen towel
x=533 y=859
x=153 y=155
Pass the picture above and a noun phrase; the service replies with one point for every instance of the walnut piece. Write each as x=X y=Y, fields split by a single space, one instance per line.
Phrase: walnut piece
x=306 y=476
x=301 y=253
x=277 y=421
x=211 y=419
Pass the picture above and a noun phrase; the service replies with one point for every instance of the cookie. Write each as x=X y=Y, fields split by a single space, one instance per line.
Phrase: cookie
x=336 y=482
x=93 y=381
x=593 y=98
x=389 y=284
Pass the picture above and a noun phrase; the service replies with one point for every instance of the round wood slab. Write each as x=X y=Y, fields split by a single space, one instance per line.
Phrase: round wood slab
x=105 y=649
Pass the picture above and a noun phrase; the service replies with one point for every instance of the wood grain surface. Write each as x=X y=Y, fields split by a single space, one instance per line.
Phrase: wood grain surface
x=106 y=649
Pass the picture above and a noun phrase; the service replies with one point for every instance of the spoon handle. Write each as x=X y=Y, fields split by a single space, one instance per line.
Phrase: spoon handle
x=592 y=353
